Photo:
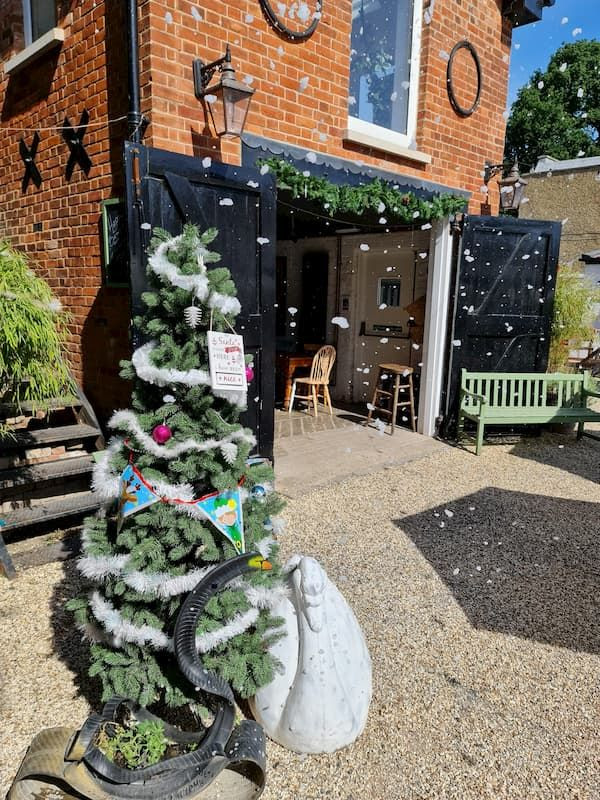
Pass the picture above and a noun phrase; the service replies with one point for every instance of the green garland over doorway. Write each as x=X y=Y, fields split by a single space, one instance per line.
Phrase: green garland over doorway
x=379 y=196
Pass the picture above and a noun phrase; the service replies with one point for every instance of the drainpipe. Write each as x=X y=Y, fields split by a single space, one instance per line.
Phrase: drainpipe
x=134 y=115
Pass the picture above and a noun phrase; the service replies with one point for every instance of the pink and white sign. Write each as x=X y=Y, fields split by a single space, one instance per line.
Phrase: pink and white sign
x=226 y=361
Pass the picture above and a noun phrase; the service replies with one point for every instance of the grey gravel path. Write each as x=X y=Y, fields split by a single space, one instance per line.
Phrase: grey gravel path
x=476 y=581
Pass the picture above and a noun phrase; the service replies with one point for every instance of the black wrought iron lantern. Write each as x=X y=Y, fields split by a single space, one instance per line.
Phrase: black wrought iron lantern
x=227 y=100
x=511 y=190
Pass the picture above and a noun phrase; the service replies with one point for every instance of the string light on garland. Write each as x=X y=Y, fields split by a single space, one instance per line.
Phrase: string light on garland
x=401 y=207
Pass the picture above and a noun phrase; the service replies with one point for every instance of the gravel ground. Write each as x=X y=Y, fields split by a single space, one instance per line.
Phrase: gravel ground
x=476 y=582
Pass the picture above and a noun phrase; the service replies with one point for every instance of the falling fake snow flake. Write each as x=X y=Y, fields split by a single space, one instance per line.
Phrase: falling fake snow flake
x=196 y=14
x=262 y=240
x=168 y=17
x=563 y=67
x=426 y=226
x=364 y=247
x=249 y=18
x=456 y=342
x=145 y=226
x=576 y=31
x=206 y=162
x=210 y=98
x=580 y=92
x=455 y=571
x=303 y=83
x=342 y=322
x=226 y=201
x=264 y=169
x=168 y=398
x=311 y=157
x=292 y=310
x=253 y=184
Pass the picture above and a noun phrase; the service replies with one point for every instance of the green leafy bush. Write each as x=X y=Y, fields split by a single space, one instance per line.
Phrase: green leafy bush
x=134 y=745
x=572 y=316
x=32 y=334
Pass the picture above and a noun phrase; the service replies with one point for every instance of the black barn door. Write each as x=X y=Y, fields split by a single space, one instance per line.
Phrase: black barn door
x=503 y=299
x=166 y=190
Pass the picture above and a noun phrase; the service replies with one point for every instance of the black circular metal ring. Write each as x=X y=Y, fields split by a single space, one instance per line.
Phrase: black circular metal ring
x=463 y=112
x=283 y=28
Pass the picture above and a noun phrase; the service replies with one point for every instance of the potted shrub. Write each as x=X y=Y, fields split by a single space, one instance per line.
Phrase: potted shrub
x=33 y=332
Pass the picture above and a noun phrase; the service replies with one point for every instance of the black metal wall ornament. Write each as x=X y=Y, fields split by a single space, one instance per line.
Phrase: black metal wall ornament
x=277 y=20
x=28 y=154
x=74 y=140
x=461 y=110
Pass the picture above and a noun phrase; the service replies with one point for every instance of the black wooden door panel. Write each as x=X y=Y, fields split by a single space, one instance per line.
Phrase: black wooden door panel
x=503 y=298
x=167 y=190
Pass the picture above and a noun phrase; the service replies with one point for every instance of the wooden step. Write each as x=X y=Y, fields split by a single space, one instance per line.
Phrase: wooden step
x=39 y=473
x=80 y=503
x=45 y=436
x=27 y=407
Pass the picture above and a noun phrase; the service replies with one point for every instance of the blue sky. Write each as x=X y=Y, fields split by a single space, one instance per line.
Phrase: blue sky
x=534 y=44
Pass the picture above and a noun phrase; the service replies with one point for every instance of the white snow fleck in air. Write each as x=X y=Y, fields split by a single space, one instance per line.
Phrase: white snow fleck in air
x=370 y=406
x=168 y=17
x=488 y=354
x=405 y=85
x=579 y=155
x=311 y=157
x=210 y=98
x=505 y=58
x=438 y=119
x=249 y=18
x=292 y=324
x=393 y=96
x=517 y=46
x=385 y=340
x=206 y=162
x=563 y=67
x=381 y=208
x=351 y=100
x=525 y=257
x=416 y=214
x=580 y=92
x=248 y=79
x=292 y=310
x=380 y=425
x=540 y=84
x=455 y=571
x=253 y=184
x=168 y=398
x=382 y=306
x=303 y=83
x=469 y=259
x=389 y=269
x=509 y=328
x=426 y=226
x=448 y=513
x=456 y=342
x=264 y=169
x=145 y=226
x=382 y=221
x=506 y=114
x=416 y=346
x=364 y=247
x=478 y=569
x=576 y=31
x=342 y=322
x=306 y=173
x=442 y=524
x=424 y=254
x=443 y=54
x=564 y=20
x=226 y=201
x=196 y=14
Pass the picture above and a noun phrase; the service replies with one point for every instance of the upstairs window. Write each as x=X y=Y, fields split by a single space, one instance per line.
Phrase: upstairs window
x=384 y=66
x=39 y=16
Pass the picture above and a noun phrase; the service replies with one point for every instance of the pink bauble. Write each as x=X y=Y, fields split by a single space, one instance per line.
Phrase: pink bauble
x=249 y=373
x=162 y=434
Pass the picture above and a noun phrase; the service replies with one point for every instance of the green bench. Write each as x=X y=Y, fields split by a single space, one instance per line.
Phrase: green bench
x=524 y=398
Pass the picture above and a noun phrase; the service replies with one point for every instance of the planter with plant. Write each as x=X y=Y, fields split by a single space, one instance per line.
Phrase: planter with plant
x=33 y=329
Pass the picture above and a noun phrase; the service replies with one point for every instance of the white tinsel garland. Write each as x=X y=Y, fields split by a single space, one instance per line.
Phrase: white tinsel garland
x=163 y=376
x=239 y=399
x=105 y=483
x=160 y=264
x=127 y=419
x=224 y=303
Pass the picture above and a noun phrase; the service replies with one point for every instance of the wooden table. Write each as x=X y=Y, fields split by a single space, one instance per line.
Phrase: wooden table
x=287 y=364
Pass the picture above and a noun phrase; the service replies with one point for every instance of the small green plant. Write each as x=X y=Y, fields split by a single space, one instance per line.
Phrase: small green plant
x=32 y=335
x=573 y=314
x=134 y=745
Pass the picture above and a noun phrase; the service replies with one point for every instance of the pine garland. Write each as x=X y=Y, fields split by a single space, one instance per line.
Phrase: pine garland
x=377 y=196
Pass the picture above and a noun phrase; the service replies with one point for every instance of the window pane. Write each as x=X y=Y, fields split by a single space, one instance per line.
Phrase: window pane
x=43 y=17
x=380 y=62
x=389 y=291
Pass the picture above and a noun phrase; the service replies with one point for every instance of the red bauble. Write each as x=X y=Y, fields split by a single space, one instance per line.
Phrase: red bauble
x=249 y=373
x=162 y=434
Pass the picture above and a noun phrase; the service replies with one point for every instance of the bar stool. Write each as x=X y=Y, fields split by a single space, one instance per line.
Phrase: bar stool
x=397 y=372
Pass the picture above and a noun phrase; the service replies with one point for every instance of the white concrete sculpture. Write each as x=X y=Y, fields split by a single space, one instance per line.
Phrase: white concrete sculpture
x=320 y=700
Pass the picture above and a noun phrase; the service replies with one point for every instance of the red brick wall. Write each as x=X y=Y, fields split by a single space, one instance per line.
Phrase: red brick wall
x=316 y=117
x=67 y=248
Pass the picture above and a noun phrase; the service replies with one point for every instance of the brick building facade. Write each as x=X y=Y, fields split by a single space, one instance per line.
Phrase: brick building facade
x=301 y=99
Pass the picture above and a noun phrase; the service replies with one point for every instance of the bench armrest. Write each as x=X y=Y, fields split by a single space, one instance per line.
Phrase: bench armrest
x=482 y=399
x=590 y=393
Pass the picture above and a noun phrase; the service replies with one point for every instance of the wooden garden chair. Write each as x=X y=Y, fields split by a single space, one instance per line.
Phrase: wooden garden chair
x=317 y=383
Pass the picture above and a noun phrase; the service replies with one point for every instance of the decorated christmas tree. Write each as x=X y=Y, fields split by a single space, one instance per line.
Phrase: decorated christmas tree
x=181 y=495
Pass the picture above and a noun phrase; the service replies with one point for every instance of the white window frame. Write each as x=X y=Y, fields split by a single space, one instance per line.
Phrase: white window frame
x=386 y=135
x=27 y=24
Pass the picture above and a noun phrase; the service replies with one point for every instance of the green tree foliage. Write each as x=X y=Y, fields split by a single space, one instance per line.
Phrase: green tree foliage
x=573 y=314
x=130 y=568
x=558 y=112
x=32 y=334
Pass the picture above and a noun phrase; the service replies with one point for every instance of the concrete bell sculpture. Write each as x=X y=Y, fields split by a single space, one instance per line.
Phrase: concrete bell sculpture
x=319 y=701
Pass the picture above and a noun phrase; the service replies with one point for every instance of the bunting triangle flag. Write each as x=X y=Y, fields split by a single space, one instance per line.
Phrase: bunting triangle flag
x=224 y=510
x=134 y=494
